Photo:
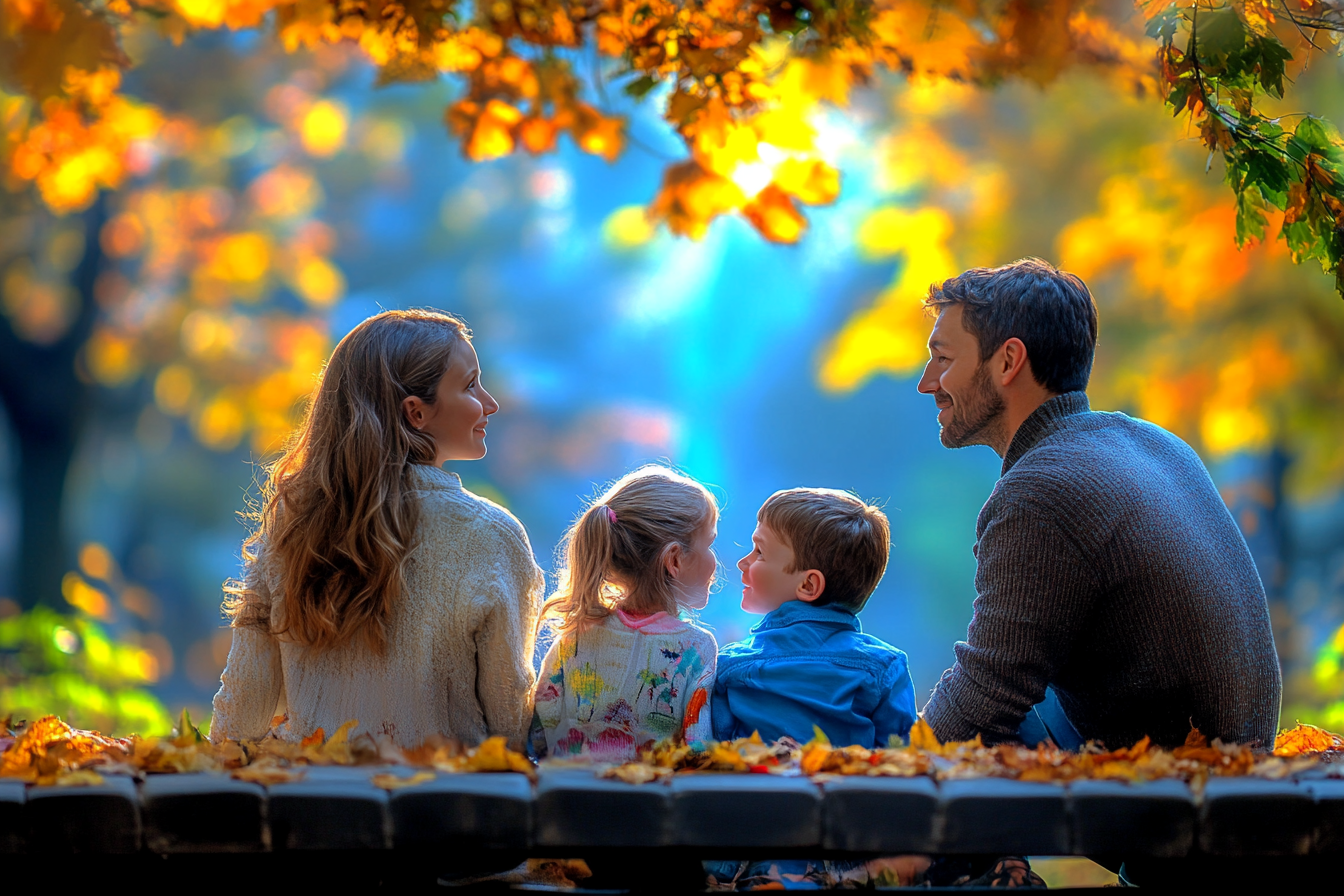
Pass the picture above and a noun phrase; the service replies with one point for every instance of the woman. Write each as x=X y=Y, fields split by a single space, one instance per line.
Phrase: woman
x=376 y=587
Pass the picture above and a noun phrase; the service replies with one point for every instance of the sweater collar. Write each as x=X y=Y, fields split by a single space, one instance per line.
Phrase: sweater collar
x=1042 y=422
x=429 y=476
x=796 y=611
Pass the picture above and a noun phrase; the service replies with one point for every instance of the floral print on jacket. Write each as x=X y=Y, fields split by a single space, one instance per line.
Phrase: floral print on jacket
x=622 y=685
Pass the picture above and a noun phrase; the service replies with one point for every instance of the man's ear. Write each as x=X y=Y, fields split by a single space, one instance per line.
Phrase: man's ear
x=811 y=587
x=673 y=559
x=1012 y=361
x=413 y=406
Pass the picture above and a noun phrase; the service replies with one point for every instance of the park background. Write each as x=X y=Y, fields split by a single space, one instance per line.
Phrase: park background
x=159 y=342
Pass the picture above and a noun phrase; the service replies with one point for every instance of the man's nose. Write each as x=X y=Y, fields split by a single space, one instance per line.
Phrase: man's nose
x=928 y=384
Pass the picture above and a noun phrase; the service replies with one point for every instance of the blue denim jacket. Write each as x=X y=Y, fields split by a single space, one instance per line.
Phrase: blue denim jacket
x=805 y=665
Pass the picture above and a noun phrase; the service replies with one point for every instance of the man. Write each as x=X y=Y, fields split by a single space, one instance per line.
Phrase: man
x=1108 y=568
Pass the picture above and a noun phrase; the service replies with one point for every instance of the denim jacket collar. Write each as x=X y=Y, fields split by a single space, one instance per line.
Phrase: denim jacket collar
x=796 y=611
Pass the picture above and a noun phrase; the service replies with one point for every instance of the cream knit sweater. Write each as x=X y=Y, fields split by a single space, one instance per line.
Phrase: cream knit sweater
x=460 y=640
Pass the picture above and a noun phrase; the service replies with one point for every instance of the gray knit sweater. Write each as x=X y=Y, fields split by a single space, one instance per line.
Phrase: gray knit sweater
x=1109 y=568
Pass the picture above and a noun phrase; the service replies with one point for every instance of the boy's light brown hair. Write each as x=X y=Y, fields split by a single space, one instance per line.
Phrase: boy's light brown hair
x=847 y=540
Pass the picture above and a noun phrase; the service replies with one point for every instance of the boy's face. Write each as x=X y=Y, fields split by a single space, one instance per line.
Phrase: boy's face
x=765 y=584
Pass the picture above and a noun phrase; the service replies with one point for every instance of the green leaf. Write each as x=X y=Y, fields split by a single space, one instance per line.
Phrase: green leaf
x=1266 y=170
x=1251 y=219
x=641 y=86
x=1218 y=34
x=1302 y=242
x=1162 y=26
x=187 y=732
x=1317 y=134
x=1270 y=56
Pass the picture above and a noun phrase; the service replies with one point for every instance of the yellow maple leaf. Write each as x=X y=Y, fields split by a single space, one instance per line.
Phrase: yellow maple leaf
x=391 y=781
x=923 y=738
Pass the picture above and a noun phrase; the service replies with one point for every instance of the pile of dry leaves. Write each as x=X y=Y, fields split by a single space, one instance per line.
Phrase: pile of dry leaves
x=1295 y=750
x=51 y=752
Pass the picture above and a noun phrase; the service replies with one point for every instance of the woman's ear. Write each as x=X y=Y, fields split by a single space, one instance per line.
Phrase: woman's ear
x=414 y=409
x=673 y=559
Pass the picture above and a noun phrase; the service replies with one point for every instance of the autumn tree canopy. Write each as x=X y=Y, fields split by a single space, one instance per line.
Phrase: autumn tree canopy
x=738 y=79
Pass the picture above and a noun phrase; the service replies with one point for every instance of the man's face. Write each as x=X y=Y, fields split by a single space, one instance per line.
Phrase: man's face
x=970 y=408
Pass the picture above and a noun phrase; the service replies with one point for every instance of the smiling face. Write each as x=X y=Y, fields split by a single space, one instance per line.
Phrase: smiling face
x=970 y=409
x=696 y=569
x=765 y=583
x=457 y=418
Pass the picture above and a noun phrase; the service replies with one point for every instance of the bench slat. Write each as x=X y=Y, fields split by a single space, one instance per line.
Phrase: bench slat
x=1154 y=818
x=459 y=812
x=96 y=818
x=878 y=814
x=575 y=808
x=745 y=811
x=191 y=813
x=1254 y=817
x=995 y=815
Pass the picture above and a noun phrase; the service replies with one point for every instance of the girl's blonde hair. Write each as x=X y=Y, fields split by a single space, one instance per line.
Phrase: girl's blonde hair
x=338 y=516
x=615 y=551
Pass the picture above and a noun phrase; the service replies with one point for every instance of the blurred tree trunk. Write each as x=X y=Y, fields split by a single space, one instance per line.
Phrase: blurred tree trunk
x=47 y=402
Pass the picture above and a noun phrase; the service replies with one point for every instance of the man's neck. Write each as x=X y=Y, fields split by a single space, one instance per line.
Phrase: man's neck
x=1018 y=408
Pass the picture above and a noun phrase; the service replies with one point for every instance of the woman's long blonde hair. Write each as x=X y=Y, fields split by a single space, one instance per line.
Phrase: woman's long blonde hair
x=614 y=552
x=337 y=516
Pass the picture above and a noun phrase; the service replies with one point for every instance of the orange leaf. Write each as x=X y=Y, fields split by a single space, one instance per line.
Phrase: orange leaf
x=773 y=213
x=1306 y=739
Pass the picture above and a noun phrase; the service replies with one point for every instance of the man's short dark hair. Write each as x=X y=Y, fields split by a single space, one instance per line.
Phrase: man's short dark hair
x=1049 y=310
x=846 y=539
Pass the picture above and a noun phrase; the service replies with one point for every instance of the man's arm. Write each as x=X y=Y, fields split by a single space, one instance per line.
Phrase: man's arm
x=1035 y=588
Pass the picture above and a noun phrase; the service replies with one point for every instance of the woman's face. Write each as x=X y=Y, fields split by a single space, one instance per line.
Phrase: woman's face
x=457 y=418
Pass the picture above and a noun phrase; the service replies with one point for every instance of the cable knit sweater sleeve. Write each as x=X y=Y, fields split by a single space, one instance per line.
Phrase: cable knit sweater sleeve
x=508 y=592
x=253 y=677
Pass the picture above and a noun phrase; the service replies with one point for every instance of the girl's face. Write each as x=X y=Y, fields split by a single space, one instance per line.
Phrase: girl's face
x=457 y=418
x=696 y=567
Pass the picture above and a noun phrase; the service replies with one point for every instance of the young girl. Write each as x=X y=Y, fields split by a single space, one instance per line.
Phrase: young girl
x=376 y=587
x=625 y=671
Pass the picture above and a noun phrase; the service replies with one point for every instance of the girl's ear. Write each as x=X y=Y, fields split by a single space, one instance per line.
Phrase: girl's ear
x=672 y=560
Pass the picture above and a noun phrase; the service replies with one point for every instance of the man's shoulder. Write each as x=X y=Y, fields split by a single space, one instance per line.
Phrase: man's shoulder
x=1090 y=452
x=1097 y=435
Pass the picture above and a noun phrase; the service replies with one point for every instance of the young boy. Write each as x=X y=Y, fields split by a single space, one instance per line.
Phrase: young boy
x=817 y=554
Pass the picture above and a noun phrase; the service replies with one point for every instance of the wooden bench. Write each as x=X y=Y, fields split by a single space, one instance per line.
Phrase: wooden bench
x=336 y=818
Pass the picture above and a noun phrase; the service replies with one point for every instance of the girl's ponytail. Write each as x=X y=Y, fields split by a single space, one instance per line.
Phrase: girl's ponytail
x=614 y=551
x=583 y=580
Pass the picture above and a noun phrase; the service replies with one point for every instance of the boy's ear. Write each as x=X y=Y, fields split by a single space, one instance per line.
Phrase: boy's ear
x=812 y=585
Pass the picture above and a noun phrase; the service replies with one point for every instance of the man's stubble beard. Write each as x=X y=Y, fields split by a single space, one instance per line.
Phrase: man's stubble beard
x=977 y=419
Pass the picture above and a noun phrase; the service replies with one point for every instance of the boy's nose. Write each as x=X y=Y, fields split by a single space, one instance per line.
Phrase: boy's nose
x=742 y=564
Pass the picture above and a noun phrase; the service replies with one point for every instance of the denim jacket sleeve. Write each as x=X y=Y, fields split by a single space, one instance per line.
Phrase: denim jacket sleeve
x=721 y=719
x=895 y=712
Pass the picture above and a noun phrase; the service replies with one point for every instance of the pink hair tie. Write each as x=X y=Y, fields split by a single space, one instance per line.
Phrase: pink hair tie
x=611 y=515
